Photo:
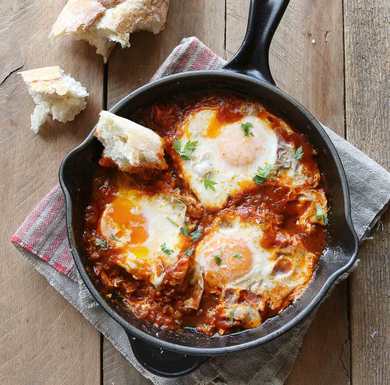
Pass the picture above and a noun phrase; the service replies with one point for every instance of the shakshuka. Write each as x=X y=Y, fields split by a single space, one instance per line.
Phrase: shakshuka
x=226 y=236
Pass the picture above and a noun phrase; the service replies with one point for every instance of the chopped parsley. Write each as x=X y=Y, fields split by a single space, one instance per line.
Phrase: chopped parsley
x=298 y=153
x=114 y=238
x=165 y=249
x=237 y=256
x=189 y=252
x=246 y=128
x=101 y=244
x=320 y=215
x=195 y=235
x=263 y=174
x=218 y=260
x=231 y=315
x=172 y=221
x=185 y=230
x=185 y=150
x=208 y=183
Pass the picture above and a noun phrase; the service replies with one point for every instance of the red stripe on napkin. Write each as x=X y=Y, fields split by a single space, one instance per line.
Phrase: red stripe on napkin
x=43 y=233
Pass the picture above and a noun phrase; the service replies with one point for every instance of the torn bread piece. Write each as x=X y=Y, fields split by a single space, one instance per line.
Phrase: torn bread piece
x=102 y=23
x=55 y=94
x=129 y=145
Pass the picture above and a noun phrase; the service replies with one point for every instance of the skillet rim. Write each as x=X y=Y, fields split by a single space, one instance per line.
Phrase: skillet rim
x=318 y=297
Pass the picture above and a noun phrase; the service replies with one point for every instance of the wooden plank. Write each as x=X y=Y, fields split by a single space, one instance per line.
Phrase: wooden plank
x=130 y=68
x=306 y=55
x=133 y=67
x=367 y=77
x=43 y=340
x=117 y=371
x=306 y=60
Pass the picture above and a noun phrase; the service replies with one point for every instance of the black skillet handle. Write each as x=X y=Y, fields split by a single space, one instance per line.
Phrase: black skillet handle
x=163 y=363
x=252 y=57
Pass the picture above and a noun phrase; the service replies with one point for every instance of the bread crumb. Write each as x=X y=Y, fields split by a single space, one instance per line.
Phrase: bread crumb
x=103 y=23
x=55 y=94
x=130 y=146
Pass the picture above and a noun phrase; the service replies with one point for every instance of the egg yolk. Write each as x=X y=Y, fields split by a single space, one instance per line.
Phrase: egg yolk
x=138 y=235
x=219 y=119
x=238 y=149
x=227 y=260
x=139 y=251
x=214 y=128
x=122 y=215
x=126 y=222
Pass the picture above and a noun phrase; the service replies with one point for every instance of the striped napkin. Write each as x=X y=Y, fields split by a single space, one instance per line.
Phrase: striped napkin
x=43 y=241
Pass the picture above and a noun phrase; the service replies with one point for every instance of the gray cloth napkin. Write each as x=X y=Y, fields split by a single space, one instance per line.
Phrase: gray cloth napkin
x=270 y=364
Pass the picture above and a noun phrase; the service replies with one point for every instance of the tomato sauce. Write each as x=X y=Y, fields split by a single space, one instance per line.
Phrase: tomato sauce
x=278 y=207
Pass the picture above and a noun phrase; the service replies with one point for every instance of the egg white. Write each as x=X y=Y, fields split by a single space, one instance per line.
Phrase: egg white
x=247 y=233
x=230 y=159
x=264 y=277
x=290 y=170
x=163 y=217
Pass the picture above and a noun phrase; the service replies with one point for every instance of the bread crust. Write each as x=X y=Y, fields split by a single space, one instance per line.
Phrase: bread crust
x=77 y=15
x=110 y=3
x=130 y=146
x=55 y=94
x=45 y=80
x=44 y=73
x=136 y=15
x=105 y=22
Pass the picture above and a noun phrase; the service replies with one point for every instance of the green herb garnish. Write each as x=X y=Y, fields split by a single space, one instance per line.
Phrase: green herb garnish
x=101 y=243
x=172 y=221
x=246 y=128
x=208 y=183
x=231 y=315
x=185 y=150
x=165 y=249
x=320 y=215
x=218 y=260
x=237 y=256
x=263 y=174
x=298 y=153
x=196 y=234
x=114 y=238
x=185 y=230
x=189 y=252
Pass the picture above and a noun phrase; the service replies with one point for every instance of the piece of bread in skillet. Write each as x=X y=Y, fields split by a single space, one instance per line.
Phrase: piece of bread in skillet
x=129 y=145
x=55 y=94
x=102 y=23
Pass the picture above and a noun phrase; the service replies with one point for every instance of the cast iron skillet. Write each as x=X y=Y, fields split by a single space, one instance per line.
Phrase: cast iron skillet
x=168 y=353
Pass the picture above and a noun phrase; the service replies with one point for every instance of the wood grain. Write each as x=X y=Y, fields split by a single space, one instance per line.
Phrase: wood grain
x=117 y=371
x=306 y=60
x=130 y=68
x=367 y=77
x=43 y=340
x=306 y=56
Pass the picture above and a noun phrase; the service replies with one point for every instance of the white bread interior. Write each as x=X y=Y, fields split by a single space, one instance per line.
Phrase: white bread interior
x=55 y=94
x=128 y=144
x=102 y=23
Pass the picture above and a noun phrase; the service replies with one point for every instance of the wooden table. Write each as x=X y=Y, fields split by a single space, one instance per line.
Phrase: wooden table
x=332 y=55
